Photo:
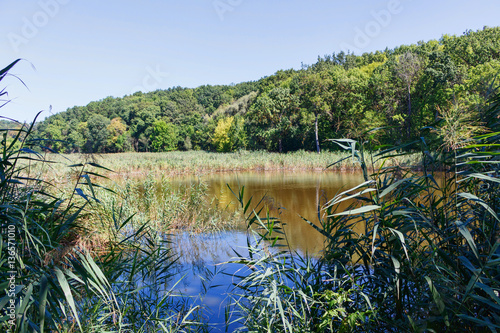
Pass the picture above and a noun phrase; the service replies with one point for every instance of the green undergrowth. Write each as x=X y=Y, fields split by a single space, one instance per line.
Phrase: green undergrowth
x=427 y=259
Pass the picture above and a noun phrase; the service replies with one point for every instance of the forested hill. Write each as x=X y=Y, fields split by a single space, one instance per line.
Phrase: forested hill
x=341 y=95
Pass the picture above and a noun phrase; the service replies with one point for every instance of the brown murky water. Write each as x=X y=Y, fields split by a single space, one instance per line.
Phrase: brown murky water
x=296 y=193
x=205 y=259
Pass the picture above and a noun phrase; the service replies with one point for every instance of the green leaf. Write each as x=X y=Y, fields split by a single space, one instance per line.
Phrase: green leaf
x=69 y=296
x=438 y=300
x=468 y=237
x=481 y=202
x=364 y=209
x=43 y=301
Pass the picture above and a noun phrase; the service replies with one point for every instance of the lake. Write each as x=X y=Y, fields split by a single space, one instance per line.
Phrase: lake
x=202 y=257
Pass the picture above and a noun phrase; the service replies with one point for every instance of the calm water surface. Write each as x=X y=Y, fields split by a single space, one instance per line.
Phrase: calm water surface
x=296 y=193
x=201 y=265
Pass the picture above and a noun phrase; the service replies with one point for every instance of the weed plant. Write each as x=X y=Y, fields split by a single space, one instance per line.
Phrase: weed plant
x=427 y=261
x=54 y=277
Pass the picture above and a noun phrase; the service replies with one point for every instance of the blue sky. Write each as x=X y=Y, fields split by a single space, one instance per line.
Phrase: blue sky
x=78 y=51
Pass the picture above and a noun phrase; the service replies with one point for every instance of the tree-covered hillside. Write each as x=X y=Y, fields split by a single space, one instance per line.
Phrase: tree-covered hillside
x=341 y=95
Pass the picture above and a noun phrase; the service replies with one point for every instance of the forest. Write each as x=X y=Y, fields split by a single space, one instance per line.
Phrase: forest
x=402 y=90
x=412 y=247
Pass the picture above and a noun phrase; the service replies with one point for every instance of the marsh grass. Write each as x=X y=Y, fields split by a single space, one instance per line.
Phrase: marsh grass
x=429 y=253
x=426 y=260
x=170 y=207
x=54 y=275
x=200 y=162
x=61 y=277
x=281 y=291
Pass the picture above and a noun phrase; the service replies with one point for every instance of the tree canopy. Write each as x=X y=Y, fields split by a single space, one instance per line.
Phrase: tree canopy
x=341 y=95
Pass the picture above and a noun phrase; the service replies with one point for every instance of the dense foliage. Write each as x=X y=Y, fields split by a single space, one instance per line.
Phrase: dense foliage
x=427 y=260
x=341 y=95
x=414 y=252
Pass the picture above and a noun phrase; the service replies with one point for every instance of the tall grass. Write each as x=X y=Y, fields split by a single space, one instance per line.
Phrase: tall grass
x=54 y=277
x=427 y=259
x=430 y=250
x=199 y=162
x=169 y=207
x=280 y=291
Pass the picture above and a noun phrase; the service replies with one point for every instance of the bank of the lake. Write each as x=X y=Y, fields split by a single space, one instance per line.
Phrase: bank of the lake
x=200 y=162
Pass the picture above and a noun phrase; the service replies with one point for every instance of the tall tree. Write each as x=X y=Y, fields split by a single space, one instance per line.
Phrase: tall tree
x=315 y=94
x=229 y=134
x=407 y=69
x=163 y=136
x=117 y=130
x=98 y=133
x=275 y=114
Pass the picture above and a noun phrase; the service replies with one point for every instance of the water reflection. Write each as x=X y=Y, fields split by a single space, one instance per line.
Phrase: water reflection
x=202 y=272
x=289 y=195
x=296 y=193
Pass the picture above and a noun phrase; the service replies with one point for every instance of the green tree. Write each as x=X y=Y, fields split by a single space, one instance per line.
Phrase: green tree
x=78 y=134
x=408 y=68
x=117 y=139
x=53 y=132
x=275 y=114
x=229 y=134
x=164 y=136
x=315 y=95
x=221 y=138
x=98 y=133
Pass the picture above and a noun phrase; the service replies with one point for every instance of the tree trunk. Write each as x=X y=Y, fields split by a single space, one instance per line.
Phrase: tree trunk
x=408 y=121
x=280 y=146
x=316 y=132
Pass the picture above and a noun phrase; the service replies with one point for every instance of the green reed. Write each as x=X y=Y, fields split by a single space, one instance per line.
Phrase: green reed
x=57 y=275
x=427 y=261
x=199 y=162
x=429 y=254
x=170 y=207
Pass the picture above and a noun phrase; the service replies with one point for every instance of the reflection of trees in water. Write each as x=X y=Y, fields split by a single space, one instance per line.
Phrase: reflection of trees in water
x=295 y=192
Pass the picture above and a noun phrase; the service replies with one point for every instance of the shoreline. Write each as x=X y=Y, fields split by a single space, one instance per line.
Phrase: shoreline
x=202 y=162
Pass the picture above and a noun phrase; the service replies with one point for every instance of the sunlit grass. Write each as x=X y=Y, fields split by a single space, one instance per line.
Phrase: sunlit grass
x=199 y=162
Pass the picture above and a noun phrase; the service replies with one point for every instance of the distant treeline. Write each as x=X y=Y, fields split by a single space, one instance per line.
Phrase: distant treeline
x=341 y=95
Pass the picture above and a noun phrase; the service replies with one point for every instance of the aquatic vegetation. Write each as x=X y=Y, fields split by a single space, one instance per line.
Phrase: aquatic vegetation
x=56 y=274
x=426 y=259
x=200 y=162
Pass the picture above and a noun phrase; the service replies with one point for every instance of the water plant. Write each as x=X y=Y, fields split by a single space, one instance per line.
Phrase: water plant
x=428 y=257
x=56 y=274
x=426 y=260
x=281 y=291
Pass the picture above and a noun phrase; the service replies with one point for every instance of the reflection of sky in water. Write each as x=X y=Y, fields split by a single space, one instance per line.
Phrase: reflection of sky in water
x=203 y=270
x=202 y=267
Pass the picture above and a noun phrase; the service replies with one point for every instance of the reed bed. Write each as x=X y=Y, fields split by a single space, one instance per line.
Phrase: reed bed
x=168 y=207
x=59 y=275
x=199 y=162
x=426 y=260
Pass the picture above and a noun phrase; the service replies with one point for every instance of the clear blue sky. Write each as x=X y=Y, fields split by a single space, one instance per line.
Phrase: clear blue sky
x=78 y=51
